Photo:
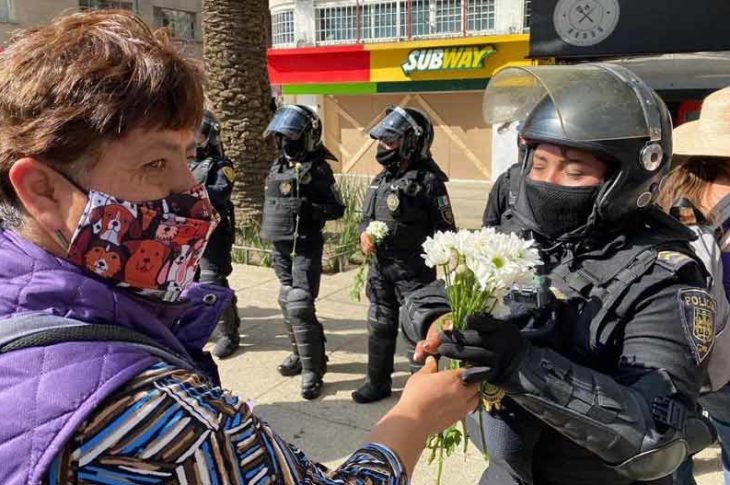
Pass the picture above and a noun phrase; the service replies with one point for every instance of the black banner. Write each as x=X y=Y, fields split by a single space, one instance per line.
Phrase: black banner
x=600 y=28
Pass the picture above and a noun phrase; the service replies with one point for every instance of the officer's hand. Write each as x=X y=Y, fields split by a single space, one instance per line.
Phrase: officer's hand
x=487 y=342
x=366 y=244
x=299 y=205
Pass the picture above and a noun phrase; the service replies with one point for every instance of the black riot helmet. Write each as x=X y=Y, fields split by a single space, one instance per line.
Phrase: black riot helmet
x=603 y=109
x=298 y=130
x=208 y=138
x=410 y=126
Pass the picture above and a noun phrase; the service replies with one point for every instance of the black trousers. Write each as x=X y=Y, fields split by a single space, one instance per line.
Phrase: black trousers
x=302 y=270
x=215 y=265
x=389 y=282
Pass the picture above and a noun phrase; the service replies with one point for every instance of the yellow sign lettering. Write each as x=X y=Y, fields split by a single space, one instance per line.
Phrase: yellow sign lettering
x=451 y=58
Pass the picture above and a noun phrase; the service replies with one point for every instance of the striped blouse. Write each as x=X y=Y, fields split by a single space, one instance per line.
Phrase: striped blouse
x=169 y=426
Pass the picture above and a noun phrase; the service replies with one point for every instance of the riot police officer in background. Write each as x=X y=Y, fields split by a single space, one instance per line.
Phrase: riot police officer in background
x=213 y=169
x=301 y=195
x=602 y=379
x=409 y=195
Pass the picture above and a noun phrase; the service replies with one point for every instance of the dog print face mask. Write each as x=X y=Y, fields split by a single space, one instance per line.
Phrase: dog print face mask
x=152 y=248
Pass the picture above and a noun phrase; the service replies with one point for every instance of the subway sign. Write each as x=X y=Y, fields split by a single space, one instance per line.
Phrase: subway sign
x=446 y=59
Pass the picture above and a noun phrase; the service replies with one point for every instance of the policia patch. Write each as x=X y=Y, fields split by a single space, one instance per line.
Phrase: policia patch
x=698 y=318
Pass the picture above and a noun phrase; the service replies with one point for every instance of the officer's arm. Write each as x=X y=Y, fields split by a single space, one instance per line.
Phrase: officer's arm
x=368 y=205
x=441 y=213
x=639 y=420
x=497 y=201
x=220 y=185
x=327 y=205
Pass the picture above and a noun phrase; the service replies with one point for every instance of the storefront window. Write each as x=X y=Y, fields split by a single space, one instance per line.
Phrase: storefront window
x=448 y=16
x=336 y=23
x=180 y=22
x=282 y=28
x=480 y=15
x=94 y=4
x=527 y=14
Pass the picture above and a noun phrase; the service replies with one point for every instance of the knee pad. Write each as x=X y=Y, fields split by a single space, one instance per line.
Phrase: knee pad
x=383 y=315
x=300 y=307
x=388 y=330
x=284 y=295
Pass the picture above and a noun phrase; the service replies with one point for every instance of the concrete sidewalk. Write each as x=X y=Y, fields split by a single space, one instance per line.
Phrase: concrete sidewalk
x=329 y=429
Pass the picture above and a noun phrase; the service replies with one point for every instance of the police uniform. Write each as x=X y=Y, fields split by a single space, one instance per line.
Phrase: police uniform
x=300 y=198
x=414 y=204
x=212 y=168
x=602 y=379
x=633 y=310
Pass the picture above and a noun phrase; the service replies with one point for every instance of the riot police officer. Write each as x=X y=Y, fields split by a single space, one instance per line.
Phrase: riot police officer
x=212 y=168
x=602 y=382
x=301 y=195
x=409 y=195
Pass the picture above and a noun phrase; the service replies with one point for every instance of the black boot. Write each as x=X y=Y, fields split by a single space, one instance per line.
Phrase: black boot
x=309 y=335
x=381 y=352
x=227 y=331
x=310 y=340
x=291 y=366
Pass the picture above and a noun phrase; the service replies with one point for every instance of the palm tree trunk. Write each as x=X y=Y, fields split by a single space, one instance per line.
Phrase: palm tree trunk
x=236 y=36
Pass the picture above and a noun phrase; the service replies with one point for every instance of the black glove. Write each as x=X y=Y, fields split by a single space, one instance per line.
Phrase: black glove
x=300 y=206
x=496 y=346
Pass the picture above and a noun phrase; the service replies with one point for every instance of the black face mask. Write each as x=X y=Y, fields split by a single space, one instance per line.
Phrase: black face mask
x=388 y=157
x=557 y=209
x=293 y=149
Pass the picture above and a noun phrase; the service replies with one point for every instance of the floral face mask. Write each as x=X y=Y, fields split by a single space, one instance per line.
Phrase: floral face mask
x=152 y=248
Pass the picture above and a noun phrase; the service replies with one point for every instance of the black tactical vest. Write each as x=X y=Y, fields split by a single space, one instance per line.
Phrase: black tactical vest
x=201 y=169
x=403 y=204
x=281 y=199
x=596 y=293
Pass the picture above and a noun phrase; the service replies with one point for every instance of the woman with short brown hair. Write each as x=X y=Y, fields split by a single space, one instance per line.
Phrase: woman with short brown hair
x=103 y=378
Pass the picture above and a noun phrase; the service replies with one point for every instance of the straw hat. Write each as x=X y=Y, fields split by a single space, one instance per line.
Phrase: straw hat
x=710 y=135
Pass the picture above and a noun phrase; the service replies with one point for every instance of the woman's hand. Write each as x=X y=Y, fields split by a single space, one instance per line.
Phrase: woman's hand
x=440 y=398
x=366 y=244
x=431 y=402
x=430 y=346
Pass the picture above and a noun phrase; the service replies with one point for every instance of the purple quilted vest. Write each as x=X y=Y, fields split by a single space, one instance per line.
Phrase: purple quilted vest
x=46 y=392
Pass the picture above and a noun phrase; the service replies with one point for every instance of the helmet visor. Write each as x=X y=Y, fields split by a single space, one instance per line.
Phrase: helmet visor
x=393 y=124
x=289 y=121
x=594 y=102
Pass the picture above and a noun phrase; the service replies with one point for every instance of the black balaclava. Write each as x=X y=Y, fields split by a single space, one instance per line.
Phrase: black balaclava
x=557 y=209
x=293 y=150
x=388 y=157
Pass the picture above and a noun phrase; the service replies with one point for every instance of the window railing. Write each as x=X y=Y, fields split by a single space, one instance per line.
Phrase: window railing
x=390 y=20
x=6 y=10
x=526 y=15
x=103 y=4
x=181 y=23
x=282 y=28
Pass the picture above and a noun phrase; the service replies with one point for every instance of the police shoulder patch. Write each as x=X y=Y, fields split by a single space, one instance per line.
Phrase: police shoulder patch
x=673 y=260
x=229 y=173
x=697 y=309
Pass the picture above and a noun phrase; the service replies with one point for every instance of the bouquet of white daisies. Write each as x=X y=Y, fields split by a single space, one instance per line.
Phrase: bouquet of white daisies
x=479 y=268
x=376 y=231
